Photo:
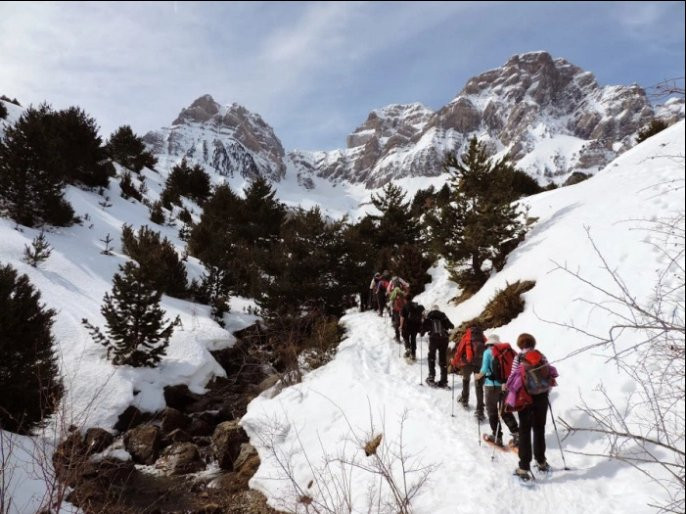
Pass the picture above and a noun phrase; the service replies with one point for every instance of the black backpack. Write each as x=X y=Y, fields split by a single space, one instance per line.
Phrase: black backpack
x=438 y=327
x=414 y=314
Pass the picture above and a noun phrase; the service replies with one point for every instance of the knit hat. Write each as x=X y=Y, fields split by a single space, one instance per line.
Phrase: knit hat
x=493 y=339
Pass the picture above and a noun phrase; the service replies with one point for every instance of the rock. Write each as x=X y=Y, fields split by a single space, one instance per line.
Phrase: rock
x=143 y=443
x=199 y=427
x=228 y=483
x=180 y=459
x=226 y=413
x=97 y=439
x=247 y=462
x=179 y=396
x=178 y=436
x=173 y=419
x=226 y=443
x=130 y=418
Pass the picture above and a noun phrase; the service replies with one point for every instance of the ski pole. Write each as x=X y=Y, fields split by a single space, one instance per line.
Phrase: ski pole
x=452 y=400
x=558 y=435
x=498 y=431
x=478 y=426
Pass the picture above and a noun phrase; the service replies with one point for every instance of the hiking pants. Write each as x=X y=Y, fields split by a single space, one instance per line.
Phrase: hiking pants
x=467 y=372
x=533 y=418
x=438 y=344
x=395 y=320
x=410 y=338
x=495 y=396
x=381 y=299
x=364 y=300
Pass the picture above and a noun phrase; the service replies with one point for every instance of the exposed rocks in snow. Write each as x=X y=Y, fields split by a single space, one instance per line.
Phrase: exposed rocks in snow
x=143 y=443
x=226 y=443
x=180 y=459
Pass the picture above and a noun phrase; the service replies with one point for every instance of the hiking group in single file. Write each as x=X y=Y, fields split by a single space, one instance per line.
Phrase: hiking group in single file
x=505 y=381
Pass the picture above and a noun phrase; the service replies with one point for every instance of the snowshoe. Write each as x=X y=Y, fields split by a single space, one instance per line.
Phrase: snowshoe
x=544 y=467
x=430 y=381
x=495 y=441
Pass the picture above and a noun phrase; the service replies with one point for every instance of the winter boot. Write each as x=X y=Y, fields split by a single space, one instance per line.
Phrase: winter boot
x=430 y=381
x=514 y=442
x=523 y=474
x=543 y=466
x=407 y=354
x=480 y=416
x=442 y=383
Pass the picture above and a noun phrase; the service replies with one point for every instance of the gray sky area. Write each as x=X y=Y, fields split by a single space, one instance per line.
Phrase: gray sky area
x=312 y=70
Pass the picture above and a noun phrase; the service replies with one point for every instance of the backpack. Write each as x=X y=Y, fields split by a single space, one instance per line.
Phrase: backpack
x=438 y=327
x=501 y=365
x=478 y=344
x=414 y=314
x=535 y=370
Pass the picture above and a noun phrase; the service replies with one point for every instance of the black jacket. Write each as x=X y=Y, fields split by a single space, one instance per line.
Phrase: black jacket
x=436 y=324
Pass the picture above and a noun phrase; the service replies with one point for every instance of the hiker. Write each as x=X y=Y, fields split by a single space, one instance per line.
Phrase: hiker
x=468 y=358
x=527 y=388
x=495 y=368
x=437 y=325
x=371 y=297
x=410 y=325
x=381 y=287
x=398 y=301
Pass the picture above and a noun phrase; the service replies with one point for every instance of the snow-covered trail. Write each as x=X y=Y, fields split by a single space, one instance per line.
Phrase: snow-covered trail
x=465 y=471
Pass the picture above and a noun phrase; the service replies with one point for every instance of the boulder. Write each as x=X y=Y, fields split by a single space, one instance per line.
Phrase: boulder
x=172 y=419
x=143 y=443
x=97 y=439
x=130 y=418
x=247 y=462
x=179 y=396
x=180 y=459
x=226 y=443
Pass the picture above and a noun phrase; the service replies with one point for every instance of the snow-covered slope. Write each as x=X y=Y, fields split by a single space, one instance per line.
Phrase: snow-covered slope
x=367 y=384
x=74 y=280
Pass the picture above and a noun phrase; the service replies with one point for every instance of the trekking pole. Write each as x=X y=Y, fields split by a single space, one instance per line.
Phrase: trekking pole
x=558 y=436
x=478 y=426
x=421 y=351
x=452 y=400
x=498 y=431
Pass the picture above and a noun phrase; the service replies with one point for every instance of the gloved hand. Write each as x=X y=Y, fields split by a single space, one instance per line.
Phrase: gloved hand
x=478 y=376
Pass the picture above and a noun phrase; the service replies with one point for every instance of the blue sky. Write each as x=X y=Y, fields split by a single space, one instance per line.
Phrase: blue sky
x=312 y=70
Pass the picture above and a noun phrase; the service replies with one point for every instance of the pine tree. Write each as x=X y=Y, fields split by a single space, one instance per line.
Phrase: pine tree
x=39 y=250
x=32 y=172
x=29 y=378
x=156 y=213
x=129 y=150
x=128 y=189
x=395 y=226
x=481 y=216
x=183 y=180
x=158 y=260
x=137 y=334
x=108 y=245
x=3 y=111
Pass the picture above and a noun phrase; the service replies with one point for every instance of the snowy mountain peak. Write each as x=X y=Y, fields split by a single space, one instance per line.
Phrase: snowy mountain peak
x=549 y=116
x=229 y=140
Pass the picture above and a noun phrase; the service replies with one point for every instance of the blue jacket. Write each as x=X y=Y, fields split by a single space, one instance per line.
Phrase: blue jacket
x=486 y=368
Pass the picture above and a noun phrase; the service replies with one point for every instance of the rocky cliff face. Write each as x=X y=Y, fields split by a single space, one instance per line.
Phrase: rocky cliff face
x=548 y=115
x=229 y=140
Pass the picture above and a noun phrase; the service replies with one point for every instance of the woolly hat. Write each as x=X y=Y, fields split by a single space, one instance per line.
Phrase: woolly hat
x=493 y=339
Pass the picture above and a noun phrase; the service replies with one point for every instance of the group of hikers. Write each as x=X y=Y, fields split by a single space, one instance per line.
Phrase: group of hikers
x=505 y=381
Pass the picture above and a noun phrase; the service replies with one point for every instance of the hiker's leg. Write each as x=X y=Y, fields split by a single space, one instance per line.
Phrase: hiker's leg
x=525 y=419
x=413 y=343
x=492 y=396
x=432 y=357
x=479 y=388
x=466 y=374
x=540 y=411
x=443 y=358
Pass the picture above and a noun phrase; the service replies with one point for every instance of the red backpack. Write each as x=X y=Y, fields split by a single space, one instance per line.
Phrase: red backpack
x=501 y=365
